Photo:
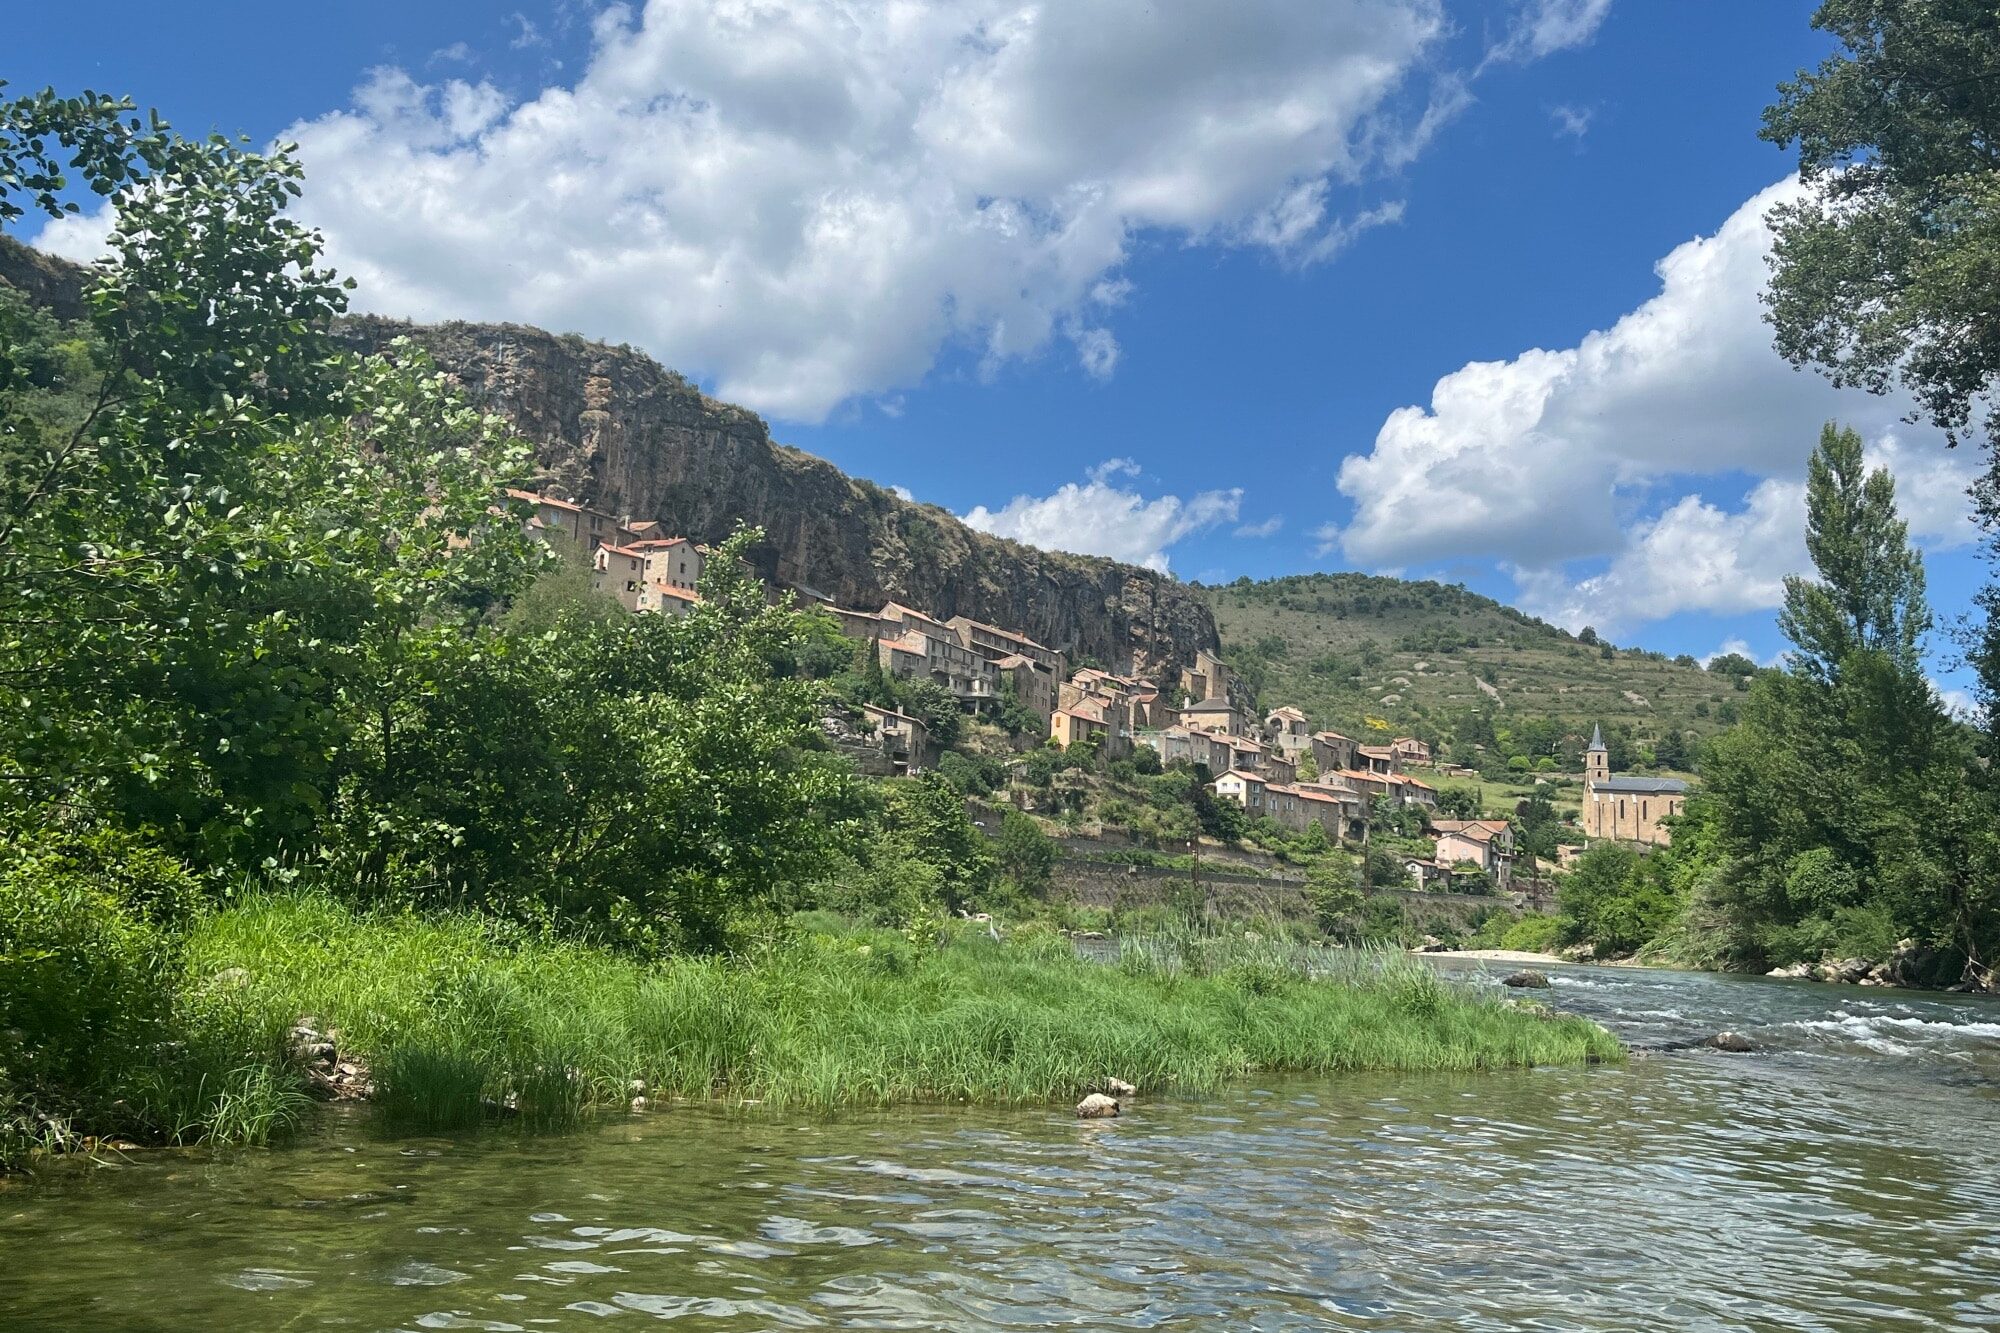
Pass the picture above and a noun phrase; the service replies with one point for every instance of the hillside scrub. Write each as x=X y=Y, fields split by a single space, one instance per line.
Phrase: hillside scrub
x=463 y=1019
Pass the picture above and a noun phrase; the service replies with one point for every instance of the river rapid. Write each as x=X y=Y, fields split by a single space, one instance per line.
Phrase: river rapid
x=1845 y=1177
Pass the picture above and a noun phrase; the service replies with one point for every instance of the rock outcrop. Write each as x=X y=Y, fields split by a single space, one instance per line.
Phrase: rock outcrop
x=615 y=429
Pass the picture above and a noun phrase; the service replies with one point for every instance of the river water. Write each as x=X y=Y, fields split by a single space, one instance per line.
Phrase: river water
x=1846 y=1177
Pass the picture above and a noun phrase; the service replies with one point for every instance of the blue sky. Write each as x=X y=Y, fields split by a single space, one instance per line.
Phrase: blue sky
x=1453 y=288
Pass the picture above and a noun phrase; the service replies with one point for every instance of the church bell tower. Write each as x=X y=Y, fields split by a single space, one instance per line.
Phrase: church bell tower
x=1596 y=760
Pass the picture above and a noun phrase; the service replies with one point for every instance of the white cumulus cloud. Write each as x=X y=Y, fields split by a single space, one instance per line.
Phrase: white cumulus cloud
x=1596 y=452
x=1543 y=27
x=809 y=200
x=1098 y=517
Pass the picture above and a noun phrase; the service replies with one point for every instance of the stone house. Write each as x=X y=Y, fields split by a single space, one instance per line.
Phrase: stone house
x=994 y=643
x=1033 y=686
x=1287 y=730
x=1207 y=679
x=895 y=615
x=673 y=562
x=1377 y=759
x=1217 y=715
x=620 y=572
x=1279 y=768
x=1627 y=809
x=905 y=740
x=1407 y=790
x=574 y=529
x=1083 y=723
x=1428 y=875
x=1246 y=789
x=1353 y=808
x=1368 y=786
x=1486 y=843
x=862 y=625
x=1409 y=750
x=1299 y=805
x=941 y=658
x=668 y=601
x=1244 y=753
x=1333 y=752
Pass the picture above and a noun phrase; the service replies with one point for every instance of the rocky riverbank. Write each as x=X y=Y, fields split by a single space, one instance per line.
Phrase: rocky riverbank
x=1910 y=966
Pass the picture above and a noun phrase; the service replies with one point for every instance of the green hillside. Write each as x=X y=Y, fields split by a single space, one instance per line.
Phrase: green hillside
x=1463 y=671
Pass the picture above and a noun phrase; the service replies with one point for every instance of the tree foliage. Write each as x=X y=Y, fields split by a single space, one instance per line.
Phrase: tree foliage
x=1887 y=271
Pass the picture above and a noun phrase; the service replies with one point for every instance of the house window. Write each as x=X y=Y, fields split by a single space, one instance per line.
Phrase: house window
x=631 y=585
x=1621 y=809
x=1642 y=810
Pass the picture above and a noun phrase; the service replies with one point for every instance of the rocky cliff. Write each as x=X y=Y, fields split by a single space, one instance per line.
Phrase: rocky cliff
x=615 y=429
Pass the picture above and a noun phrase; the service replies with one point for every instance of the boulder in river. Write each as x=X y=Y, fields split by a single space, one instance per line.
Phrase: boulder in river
x=1097 y=1106
x=1733 y=1042
x=1795 y=972
x=1118 y=1087
x=1526 y=979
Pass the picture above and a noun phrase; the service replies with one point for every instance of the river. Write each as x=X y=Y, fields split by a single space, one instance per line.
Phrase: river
x=1846 y=1177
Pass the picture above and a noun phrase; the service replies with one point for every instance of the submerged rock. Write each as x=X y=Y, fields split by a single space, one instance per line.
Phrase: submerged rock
x=1796 y=972
x=1097 y=1106
x=1734 y=1042
x=1526 y=979
x=1118 y=1087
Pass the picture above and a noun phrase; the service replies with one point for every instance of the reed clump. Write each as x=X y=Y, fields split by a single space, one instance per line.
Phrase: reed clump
x=461 y=1019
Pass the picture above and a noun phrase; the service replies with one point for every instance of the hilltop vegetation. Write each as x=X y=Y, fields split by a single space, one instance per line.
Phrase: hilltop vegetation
x=1482 y=682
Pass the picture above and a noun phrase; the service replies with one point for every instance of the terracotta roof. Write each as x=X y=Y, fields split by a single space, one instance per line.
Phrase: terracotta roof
x=651 y=543
x=1003 y=633
x=912 y=642
x=679 y=594
x=1287 y=711
x=1246 y=776
x=1014 y=660
x=625 y=551
x=1330 y=736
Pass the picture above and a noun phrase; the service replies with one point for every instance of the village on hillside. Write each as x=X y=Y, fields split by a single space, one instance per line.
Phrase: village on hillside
x=1271 y=763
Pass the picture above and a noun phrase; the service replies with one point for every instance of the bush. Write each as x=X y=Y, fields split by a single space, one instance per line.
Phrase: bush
x=98 y=1025
x=84 y=980
x=1533 y=933
x=1027 y=855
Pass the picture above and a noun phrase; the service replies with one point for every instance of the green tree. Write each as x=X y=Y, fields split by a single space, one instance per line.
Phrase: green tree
x=934 y=706
x=1333 y=891
x=1846 y=770
x=1614 y=900
x=1026 y=854
x=1884 y=273
x=1869 y=594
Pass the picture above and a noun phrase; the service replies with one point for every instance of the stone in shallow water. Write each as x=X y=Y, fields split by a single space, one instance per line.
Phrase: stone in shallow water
x=1097 y=1106
x=1734 y=1042
x=1526 y=979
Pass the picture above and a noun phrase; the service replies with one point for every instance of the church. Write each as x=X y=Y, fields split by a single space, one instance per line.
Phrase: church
x=1626 y=809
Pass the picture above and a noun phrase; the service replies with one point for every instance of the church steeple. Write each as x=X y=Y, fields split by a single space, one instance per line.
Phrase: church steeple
x=1596 y=760
x=1597 y=738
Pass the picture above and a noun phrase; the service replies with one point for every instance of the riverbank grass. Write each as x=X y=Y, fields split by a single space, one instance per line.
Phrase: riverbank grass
x=456 y=1018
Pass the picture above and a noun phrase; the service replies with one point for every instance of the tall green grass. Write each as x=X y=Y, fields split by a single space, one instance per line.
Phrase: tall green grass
x=460 y=1021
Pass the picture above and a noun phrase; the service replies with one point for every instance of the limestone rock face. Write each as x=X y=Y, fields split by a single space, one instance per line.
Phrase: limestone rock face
x=615 y=429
